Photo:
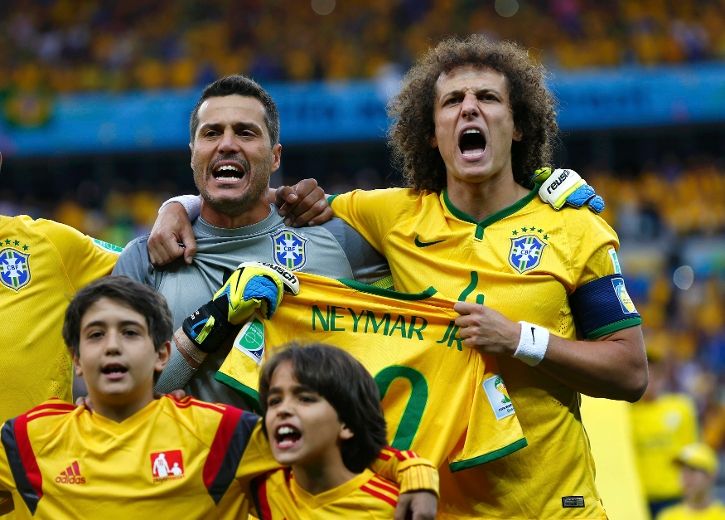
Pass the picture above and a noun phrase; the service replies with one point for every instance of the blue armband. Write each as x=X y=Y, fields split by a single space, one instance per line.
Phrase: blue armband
x=602 y=307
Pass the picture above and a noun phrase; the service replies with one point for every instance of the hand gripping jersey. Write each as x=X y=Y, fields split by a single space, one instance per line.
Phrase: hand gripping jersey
x=445 y=402
x=529 y=262
x=277 y=496
x=172 y=459
x=42 y=265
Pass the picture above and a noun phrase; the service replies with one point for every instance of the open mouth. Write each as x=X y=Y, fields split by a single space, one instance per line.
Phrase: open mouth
x=472 y=143
x=228 y=171
x=286 y=436
x=114 y=370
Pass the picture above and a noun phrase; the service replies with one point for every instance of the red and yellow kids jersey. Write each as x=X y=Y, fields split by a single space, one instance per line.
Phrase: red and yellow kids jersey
x=368 y=496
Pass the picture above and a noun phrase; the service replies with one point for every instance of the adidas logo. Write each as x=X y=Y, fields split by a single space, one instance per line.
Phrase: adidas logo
x=71 y=475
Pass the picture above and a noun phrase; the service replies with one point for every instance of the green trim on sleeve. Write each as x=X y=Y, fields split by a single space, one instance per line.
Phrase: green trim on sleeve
x=330 y=198
x=488 y=457
x=113 y=248
x=614 y=327
x=250 y=396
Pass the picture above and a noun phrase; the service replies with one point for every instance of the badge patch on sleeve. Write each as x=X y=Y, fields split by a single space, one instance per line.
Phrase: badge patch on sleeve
x=498 y=397
x=615 y=261
x=624 y=300
x=250 y=340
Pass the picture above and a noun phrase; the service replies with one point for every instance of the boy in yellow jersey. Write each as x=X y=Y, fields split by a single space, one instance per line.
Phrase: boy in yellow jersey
x=698 y=466
x=322 y=415
x=134 y=455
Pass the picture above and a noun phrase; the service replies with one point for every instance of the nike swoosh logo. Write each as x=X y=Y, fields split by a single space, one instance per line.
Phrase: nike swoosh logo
x=420 y=243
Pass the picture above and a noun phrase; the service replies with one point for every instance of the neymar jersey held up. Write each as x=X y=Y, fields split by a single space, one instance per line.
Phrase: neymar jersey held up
x=42 y=265
x=366 y=496
x=445 y=402
x=556 y=269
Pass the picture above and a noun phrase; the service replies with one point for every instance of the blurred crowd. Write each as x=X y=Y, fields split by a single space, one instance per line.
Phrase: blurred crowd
x=58 y=46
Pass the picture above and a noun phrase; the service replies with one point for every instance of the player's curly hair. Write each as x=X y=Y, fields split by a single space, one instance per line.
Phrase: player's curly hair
x=532 y=104
x=349 y=388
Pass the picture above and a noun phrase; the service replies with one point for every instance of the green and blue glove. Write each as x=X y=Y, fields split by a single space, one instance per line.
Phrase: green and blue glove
x=253 y=287
x=564 y=186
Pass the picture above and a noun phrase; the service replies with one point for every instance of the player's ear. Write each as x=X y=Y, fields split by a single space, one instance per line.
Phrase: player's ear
x=77 y=365
x=518 y=135
x=345 y=432
x=163 y=354
x=276 y=156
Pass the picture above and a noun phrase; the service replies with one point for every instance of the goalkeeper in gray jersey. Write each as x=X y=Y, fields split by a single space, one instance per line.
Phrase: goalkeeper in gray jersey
x=234 y=131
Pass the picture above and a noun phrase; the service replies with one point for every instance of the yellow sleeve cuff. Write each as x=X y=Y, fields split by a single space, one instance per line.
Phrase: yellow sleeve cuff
x=418 y=475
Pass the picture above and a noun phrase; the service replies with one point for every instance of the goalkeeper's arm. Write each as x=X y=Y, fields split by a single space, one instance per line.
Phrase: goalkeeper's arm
x=255 y=287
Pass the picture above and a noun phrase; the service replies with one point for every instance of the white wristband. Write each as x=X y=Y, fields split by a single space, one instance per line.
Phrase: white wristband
x=191 y=203
x=533 y=342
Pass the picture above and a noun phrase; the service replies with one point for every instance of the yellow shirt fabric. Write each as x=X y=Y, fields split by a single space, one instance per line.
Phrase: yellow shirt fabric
x=367 y=496
x=445 y=402
x=661 y=428
x=42 y=265
x=715 y=511
x=609 y=426
x=427 y=241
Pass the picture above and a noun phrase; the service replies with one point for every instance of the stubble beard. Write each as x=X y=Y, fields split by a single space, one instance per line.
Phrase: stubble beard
x=234 y=207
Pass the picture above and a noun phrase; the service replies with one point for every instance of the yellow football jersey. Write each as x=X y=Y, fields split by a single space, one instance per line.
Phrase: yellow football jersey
x=715 y=511
x=277 y=496
x=172 y=459
x=661 y=428
x=528 y=262
x=427 y=380
x=42 y=265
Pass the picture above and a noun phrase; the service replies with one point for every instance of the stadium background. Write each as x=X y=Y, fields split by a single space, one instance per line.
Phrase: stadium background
x=95 y=98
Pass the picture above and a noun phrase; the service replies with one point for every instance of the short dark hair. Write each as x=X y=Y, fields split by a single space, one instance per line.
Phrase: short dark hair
x=346 y=385
x=531 y=101
x=137 y=296
x=242 y=86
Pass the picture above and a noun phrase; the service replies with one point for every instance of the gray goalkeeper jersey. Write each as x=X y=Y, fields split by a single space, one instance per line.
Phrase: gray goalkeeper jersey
x=333 y=249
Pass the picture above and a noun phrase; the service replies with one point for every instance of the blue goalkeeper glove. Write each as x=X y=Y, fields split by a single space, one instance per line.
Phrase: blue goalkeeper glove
x=254 y=286
x=560 y=187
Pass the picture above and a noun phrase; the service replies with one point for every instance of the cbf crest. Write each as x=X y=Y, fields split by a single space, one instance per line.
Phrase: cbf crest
x=289 y=249
x=14 y=268
x=526 y=251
